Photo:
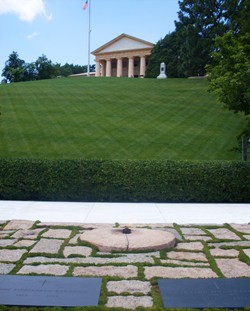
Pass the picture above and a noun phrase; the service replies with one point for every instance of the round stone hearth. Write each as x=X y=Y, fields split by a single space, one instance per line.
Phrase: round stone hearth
x=139 y=239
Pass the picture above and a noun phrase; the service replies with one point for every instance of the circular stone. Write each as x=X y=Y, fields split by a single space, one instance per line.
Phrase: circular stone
x=139 y=239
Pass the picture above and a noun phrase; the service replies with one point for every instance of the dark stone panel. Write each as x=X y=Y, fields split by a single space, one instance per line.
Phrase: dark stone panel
x=49 y=291
x=205 y=293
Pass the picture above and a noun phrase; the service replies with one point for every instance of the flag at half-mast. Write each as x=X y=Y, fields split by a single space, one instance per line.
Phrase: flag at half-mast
x=85 y=5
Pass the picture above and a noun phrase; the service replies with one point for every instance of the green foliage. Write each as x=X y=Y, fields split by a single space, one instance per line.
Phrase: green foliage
x=230 y=74
x=167 y=51
x=124 y=181
x=187 y=50
x=16 y=70
x=44 y=67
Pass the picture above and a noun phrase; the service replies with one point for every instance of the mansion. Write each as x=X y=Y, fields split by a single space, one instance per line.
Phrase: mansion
x=124 y=56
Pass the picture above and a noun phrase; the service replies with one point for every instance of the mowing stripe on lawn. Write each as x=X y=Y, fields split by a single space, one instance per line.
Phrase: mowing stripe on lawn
x=112 y=118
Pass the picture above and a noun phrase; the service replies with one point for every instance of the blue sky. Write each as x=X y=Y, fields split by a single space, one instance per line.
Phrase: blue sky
x=59 y=28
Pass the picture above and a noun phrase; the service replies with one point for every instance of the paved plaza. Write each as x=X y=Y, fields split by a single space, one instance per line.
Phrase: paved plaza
x=129 y=278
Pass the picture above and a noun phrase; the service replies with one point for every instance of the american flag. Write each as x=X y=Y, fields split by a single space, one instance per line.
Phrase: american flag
x=84 y=7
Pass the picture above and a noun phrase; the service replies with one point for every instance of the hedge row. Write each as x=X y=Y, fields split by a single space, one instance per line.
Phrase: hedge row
x=124 y=181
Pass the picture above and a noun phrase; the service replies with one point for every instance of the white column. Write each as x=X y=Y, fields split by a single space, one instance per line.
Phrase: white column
x=103 y=68
x=108 y=68
x=142 y=66
x=131 y=67
x=97 y=68
x=119 y=67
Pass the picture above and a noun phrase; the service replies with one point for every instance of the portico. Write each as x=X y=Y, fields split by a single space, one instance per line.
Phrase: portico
x=124 y=56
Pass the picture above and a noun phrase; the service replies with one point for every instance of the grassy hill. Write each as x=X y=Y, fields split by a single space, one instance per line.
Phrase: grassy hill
x=110 y=118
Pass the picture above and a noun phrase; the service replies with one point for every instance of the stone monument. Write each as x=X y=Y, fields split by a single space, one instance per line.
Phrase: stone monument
x=136 y=239
x=162 y=74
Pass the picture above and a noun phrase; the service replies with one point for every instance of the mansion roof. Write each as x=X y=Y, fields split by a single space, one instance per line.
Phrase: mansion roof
x=123 y=42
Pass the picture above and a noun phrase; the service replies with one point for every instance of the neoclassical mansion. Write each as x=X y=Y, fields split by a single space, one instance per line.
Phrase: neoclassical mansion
x=124 y=56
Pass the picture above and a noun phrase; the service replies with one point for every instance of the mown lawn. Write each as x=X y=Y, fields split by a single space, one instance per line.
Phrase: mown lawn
x=110 y=118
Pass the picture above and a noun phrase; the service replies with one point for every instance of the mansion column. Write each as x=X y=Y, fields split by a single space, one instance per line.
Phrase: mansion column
x=108 y=68
x=119 y=67
x=103 y=68
x=131 y=67
x=142 y=66
x=97 y=65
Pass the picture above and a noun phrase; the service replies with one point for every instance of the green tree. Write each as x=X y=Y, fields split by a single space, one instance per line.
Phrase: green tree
x=188 y=49
x=45 y=68
x=229 y=75
x=200 y=22
x=14 y=70
x=30 y=72
x=237 y=15
x=166 y=51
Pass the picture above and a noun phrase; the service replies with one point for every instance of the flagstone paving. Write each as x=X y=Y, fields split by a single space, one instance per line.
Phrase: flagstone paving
x=129 y=278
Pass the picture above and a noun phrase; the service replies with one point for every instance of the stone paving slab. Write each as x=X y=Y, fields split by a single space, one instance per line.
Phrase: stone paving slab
x=6 y=233
x=233 y=268
x=48 y=246
x=224 y=234
x=11 y=255
x=191 y=246
x=44 y=269
x=92 y=260
x=7 y=242
x=187 y=256
x=224 y=252
x=57 y=233
x=129 y=302
x=197 y=237
x=76 y=238
x=184 y=263
x=178 y=273
x=247 y=252
x=24 y=243
x=27 y=234
x=125 y=272
x=131 y=287
x=6 y=268
x=19 y=224
x=28 y=247
x=3 y=235
x=244 y=228
x=193 y=231
x=230 y=244
x=77 y=250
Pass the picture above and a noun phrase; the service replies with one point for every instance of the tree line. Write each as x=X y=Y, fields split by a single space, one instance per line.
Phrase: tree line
x=188 y=49
x=211 y=38
x=17 y=70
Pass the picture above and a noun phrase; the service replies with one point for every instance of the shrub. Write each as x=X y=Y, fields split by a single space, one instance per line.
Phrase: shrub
x=124 y=181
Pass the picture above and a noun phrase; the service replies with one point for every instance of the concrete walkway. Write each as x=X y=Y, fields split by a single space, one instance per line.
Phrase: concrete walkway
x=128 y=213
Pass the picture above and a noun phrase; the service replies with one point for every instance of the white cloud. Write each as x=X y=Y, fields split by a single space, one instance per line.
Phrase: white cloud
x=32 y=35
x=26 y=10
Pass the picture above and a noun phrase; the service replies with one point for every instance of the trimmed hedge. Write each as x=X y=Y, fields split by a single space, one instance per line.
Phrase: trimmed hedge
x=124 y=181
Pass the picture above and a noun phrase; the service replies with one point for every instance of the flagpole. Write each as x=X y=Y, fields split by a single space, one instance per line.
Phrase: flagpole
x=89 y=38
